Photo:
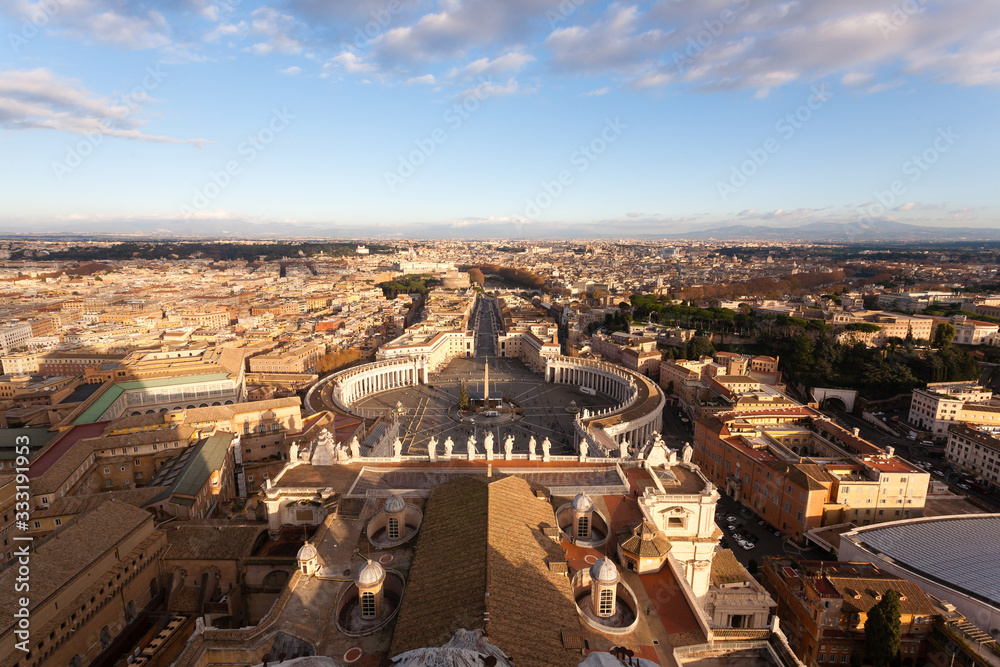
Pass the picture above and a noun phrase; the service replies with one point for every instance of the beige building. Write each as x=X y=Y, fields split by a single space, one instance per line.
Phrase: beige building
x=977 y=450
x=302 y=358
x=937 y=406
x=88 y=582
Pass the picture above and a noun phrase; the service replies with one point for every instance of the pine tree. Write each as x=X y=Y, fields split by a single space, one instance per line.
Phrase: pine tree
x=882 y=629
x=463 y=398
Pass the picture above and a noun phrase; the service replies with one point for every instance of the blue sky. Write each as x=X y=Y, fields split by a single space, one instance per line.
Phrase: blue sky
x=506 y=117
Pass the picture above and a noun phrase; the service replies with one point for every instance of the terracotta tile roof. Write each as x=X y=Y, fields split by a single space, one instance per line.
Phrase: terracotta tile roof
x=446 y=588
x=644 y=540
x=211 y=541
x=914 y=600
x=79 y=504
x=726 y=569
x=68 y=552
x=482 y=550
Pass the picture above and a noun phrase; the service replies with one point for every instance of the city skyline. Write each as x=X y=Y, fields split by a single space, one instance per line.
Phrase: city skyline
x=524 y=119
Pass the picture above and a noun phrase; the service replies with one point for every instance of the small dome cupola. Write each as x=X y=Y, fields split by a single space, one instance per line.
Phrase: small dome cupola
x=308 y=559
x=369 y=581
x=583 y=516
x=603 y=588
x=395 y=517
x=394 y=504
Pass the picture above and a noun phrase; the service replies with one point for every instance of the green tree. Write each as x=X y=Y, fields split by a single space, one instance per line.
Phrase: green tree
x=700 y=346
x=463 y=398
x=944 y=335
x=882 y=629
x=803 y=353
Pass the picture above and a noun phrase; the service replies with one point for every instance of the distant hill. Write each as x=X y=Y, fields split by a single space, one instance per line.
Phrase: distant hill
x=844 y=232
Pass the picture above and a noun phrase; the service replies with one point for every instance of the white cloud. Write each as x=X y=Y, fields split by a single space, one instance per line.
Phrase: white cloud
x=294 y=70
x=226 y=30
x=513 y=61
x=351 y=63
x=40 y=100
x=278 y=29
x=427 y=79
x=856 y=78
x=488 y=89
x=600 y=91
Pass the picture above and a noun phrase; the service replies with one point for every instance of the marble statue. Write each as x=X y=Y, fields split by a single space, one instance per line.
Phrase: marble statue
x=397 y=448
x=546 y=446
x=488 y=443
x=531 y=448
x=687 y=452
x=448 y=446
x=472 y=447
x=584 y=448
x=355 y=448
x=432 y=448
x=623 y=449
x=293 y=452
x=508 y=447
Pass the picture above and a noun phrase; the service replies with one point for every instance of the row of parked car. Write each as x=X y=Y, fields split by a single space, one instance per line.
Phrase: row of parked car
x=742 y=536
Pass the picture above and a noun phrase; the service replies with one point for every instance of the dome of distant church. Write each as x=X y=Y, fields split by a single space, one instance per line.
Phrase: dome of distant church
x=582 y=503
x=370 y=574
x=604 y=571
x=394 y=504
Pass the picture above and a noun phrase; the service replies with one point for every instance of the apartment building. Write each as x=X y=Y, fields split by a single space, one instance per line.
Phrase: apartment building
x=14 y=335
x=976 y=449
x=89 y=582
x=301 y=358
x=823 y=608
x=778 y=464
x=74 y=362
x=938 y=405
x=974 y=332
x=890 y=325
x=435 y=348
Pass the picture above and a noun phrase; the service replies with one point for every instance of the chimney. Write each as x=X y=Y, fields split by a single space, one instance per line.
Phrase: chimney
x=857 y=432
x=889 y=451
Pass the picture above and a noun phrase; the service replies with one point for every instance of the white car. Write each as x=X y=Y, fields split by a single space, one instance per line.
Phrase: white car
x=741 y=543
x=748 y=545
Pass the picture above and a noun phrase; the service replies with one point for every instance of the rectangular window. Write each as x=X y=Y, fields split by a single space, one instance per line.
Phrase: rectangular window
x=606 y=602
x=58 y=522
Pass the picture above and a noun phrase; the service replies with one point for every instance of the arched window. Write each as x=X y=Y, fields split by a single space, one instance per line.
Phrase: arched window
x=607 y=602
x=368 y=605
x=583 y=528
x=392 y=530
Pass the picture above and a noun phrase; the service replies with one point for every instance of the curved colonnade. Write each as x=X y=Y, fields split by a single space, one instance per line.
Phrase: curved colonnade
x=636 y=415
